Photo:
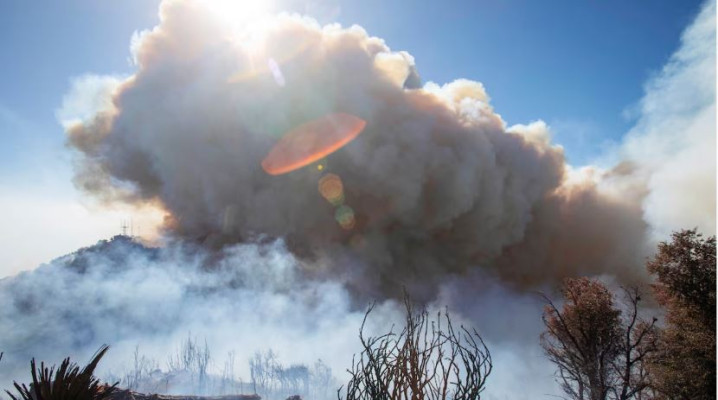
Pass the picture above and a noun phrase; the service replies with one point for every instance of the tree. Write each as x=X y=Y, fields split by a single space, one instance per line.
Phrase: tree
x=426 y=360
x=638 y=342
x=194 y=358
x=600 y=352
x=685 y=364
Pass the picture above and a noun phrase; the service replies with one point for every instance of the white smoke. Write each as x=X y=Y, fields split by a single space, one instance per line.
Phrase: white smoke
x=252 y=299
x=126 y=295
x=673 y=143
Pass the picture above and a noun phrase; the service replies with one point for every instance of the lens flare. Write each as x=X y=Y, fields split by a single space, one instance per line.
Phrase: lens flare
x=311 y=142
x=276 y=72
x=332 y=189
x=345 y=216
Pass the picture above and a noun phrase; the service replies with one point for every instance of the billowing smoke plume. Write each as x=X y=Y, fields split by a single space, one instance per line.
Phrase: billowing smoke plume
x=447 y=201
x=437 y=182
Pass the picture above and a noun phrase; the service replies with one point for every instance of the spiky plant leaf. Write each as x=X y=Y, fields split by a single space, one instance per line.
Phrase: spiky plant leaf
x=68 y=382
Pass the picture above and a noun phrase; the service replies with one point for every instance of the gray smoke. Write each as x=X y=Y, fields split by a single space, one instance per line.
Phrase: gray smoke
x=437 y=182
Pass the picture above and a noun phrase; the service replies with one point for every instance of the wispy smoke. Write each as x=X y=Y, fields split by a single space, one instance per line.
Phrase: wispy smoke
x=127 y=295
x=673 y=143
x=252 y=299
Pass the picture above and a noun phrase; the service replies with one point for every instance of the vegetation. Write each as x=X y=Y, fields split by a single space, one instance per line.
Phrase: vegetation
x=272 y=379
x=604 y=349
x=194 y=358
x=188 y=371
x=599 y=349
x=600 y=341
x=685 y=269
x=426 y=360
x=67 y=382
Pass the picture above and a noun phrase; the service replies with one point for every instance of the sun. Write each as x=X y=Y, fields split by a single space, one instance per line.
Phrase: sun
x=240 y=13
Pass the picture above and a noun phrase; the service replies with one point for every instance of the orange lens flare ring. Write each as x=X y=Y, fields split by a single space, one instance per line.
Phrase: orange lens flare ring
x=312 y=141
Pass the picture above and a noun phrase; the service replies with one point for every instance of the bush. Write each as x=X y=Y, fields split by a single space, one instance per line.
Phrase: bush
x=427 y=360
x=67 y=382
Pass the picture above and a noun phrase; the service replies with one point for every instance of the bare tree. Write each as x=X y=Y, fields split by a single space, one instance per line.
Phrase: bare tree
x=229 y=383
x=193 y=358
x=426 y=360
x=262 y=369
x=600 y=351
x=638 y=342
x=321 y=380
x=141 y=371
x=293 y=379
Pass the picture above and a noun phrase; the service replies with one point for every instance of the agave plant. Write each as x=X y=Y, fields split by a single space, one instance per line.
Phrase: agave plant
x=68 y=382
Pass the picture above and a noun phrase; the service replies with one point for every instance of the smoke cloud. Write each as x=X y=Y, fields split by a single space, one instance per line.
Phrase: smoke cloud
x=437 y=183
x=447 y=200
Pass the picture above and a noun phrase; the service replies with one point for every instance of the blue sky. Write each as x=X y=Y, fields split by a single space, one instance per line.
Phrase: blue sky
x=578 y=65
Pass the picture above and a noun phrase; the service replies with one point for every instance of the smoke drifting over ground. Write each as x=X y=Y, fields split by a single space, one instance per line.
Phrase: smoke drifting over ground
x=251 y=300
x=437 y=182
x=448 y=201
x=128 y=295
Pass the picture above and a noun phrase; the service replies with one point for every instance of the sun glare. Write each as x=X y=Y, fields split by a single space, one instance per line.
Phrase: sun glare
x=246 y=21
x=240 y=13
